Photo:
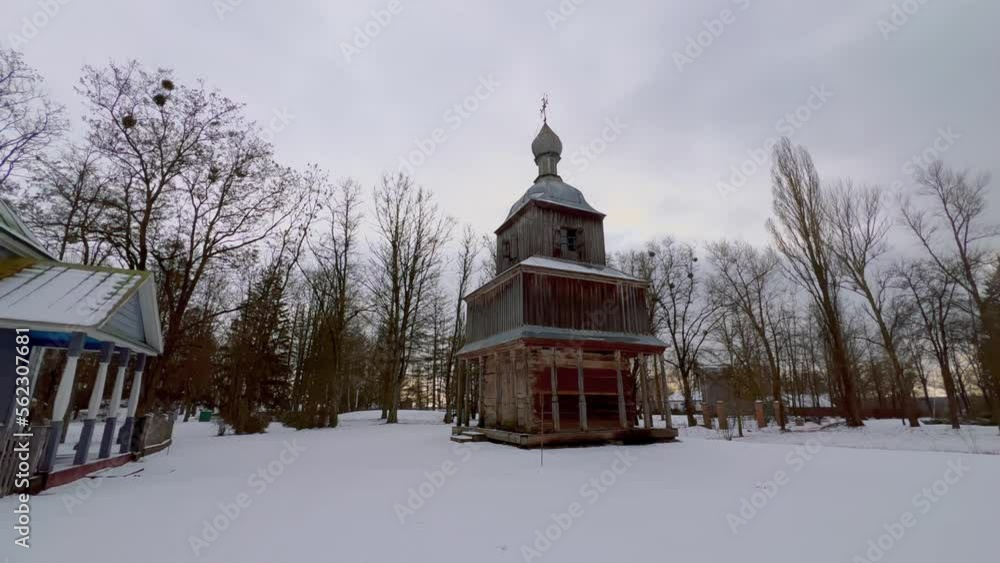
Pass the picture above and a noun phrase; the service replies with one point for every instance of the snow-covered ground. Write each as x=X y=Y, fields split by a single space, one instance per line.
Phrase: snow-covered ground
x=367 y=492
x=876 y=434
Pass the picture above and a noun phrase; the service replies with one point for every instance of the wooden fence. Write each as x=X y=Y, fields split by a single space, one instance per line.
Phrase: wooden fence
x=9 y=459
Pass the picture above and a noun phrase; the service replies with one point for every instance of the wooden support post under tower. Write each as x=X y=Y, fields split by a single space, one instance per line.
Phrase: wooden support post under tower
x=497 y=375
x=580 y=390
x=622 y=415
x=647 y=414
x=555 y=394
x=482 y=391
x=466 y=392
x=667 y=416
x=459 y=392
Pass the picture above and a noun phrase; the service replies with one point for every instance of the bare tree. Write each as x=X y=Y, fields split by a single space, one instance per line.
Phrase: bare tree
x=933 y=297
x=29 y=121
x=991 y=325
x=194 y=188
x=468 y=254
x=953 y=230
x=860 y=229
x=745 y=282
x=405 y=260
x=687 y=311
x=65 y=205
x=800 y=231
x=335 y=284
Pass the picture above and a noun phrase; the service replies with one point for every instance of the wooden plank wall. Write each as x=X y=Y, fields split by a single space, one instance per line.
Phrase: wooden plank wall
x=504 y=376
x=533 y=234
x=584 y=304
x=496 y=311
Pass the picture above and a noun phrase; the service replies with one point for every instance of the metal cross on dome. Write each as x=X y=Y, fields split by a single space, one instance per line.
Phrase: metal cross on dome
x=545 y=108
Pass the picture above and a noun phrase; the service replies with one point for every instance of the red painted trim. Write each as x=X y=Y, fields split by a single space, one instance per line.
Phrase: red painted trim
x=78 y=472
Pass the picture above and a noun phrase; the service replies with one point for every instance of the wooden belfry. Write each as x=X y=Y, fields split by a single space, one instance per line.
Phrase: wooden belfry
x=558 y=342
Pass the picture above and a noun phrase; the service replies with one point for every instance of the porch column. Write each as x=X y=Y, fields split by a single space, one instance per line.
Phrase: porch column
x=555 y=394
x=647 y=415
x=133 y=403
x=580 y=391
x=481 y=362
x=62 y=401
x=667 y=416
x=113 y=406
x=622 y=415
x=96 y=394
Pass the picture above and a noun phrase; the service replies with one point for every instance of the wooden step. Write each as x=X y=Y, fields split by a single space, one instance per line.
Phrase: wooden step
x=461 y=439
x=476 y=436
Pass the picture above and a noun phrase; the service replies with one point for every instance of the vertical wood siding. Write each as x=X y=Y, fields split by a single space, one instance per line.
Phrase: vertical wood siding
x=535 y=233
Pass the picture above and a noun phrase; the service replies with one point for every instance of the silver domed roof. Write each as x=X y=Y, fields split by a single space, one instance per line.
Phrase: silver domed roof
x=552 y=189
x=549 y=186
x=546 y=142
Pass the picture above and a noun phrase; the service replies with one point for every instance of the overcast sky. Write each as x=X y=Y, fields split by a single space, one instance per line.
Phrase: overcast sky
x=880 y=94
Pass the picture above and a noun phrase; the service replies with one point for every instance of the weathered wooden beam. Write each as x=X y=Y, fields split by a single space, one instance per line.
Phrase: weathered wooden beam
x=496 y=371
x=666 y=392
x=622 y=415
x=555 y=393
x=467 y=392
x=481 y=361
x=459 y=389
x=516 y=390
x=580 y=391
x=647 y=415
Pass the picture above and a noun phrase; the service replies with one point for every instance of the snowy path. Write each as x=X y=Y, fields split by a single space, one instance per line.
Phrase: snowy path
x=337 y=495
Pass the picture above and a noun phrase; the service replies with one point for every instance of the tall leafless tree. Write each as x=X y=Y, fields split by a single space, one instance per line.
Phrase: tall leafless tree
x=800 y=230
x=859 y=239
x=29 y=121
x=194 y=188
x=687 y=311
x=953 y=230
x=933 y=297
x=66 y=207
x=406 y=258
x=335 y=283
x=746 y=282
x=468 y=256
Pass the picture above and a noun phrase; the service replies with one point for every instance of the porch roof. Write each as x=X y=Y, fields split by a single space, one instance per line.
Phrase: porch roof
x=106 y=304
